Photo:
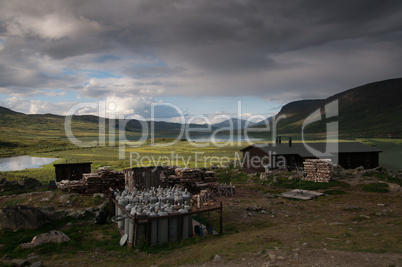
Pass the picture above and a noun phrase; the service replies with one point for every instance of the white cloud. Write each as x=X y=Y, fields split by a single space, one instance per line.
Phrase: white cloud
x=105 y=87
x=131 y=52
x=54 y=93
x=36 y=106
x=127 y=105
x=52 y=26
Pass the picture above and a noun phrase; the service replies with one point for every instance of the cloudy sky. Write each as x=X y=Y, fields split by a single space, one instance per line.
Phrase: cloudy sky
x=201 y=56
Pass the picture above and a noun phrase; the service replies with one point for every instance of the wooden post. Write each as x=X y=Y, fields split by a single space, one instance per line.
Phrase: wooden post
x=111 y=207
x=135 y=222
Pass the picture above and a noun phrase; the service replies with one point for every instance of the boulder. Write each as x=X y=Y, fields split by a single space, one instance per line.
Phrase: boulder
x=50 y=237
x=359 y=169
x=218 y=258
x=294 y=177
x=80 y=213
x=17 y=217
x=67 y=197
x=20 y=262
x=37 y=264
x=101 y=216
x=394 y=187
x=395 y=174
x=339 y=171
x=29 y=183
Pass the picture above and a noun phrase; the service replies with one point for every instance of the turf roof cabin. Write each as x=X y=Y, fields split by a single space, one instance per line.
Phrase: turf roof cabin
x=350 y=155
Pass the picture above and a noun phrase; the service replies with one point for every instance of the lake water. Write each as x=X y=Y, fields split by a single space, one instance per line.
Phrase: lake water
x=23 y=162
x=224 y=138
x=391 y=156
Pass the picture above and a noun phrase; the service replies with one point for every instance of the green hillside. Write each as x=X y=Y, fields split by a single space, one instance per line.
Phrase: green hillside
x=371 y=110
x=23 y=134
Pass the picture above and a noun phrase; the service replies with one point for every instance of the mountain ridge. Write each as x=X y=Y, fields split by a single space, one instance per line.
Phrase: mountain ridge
x=370 y=110
x=367 y=110
x=237 y=123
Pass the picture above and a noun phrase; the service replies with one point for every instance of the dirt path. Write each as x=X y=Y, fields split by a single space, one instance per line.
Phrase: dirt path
x=312 y=257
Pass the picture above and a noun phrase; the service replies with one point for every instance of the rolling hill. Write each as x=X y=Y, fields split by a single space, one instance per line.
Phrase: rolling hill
x=237 y=124
x=371 y=110
x=23 y=133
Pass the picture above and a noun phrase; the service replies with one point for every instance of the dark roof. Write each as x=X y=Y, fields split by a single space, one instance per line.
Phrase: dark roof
x=302 y=149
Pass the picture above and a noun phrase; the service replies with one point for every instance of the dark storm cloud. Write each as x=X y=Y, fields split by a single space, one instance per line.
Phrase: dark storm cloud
x=273 y=49
x=59 y=49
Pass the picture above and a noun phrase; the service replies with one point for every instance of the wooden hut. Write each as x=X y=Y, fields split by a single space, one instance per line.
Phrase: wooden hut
x=71 y=171
x=349 y=155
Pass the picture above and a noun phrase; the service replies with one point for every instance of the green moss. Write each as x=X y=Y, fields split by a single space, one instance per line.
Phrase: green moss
x=375 y=187
x=307 y=185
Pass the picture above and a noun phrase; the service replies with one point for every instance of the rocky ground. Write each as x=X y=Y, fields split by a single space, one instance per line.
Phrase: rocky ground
x=356 y=223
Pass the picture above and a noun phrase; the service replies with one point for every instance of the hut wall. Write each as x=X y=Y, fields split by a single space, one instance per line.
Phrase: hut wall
x=71 y=171
x=277 y=160
x=368 y=160
x=144 y=177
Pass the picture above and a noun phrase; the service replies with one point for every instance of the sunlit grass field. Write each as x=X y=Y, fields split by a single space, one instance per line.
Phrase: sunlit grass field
x=165 y=152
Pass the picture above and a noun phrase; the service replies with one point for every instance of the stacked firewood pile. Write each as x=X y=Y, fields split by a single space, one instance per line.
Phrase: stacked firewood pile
x=193 y=179
x=102 y=180
x=317 y=170
x=187 y=173
x=209 y=176
x=97 y=182
x=74 y=186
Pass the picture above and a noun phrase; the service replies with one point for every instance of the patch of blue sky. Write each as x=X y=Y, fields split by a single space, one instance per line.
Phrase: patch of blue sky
x=106 y=58
x=151 y=64
x=90 y=73
x=4 y=97
x=50 y=75
x=59 y=95
x=102 y=75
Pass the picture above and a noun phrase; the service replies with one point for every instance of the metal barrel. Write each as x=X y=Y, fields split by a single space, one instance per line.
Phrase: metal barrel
x=173 y=227
x=127 y=224
x=185 y=225
x=163 y=228
x=122 y=202
x=141 y=230
x=154 y=228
